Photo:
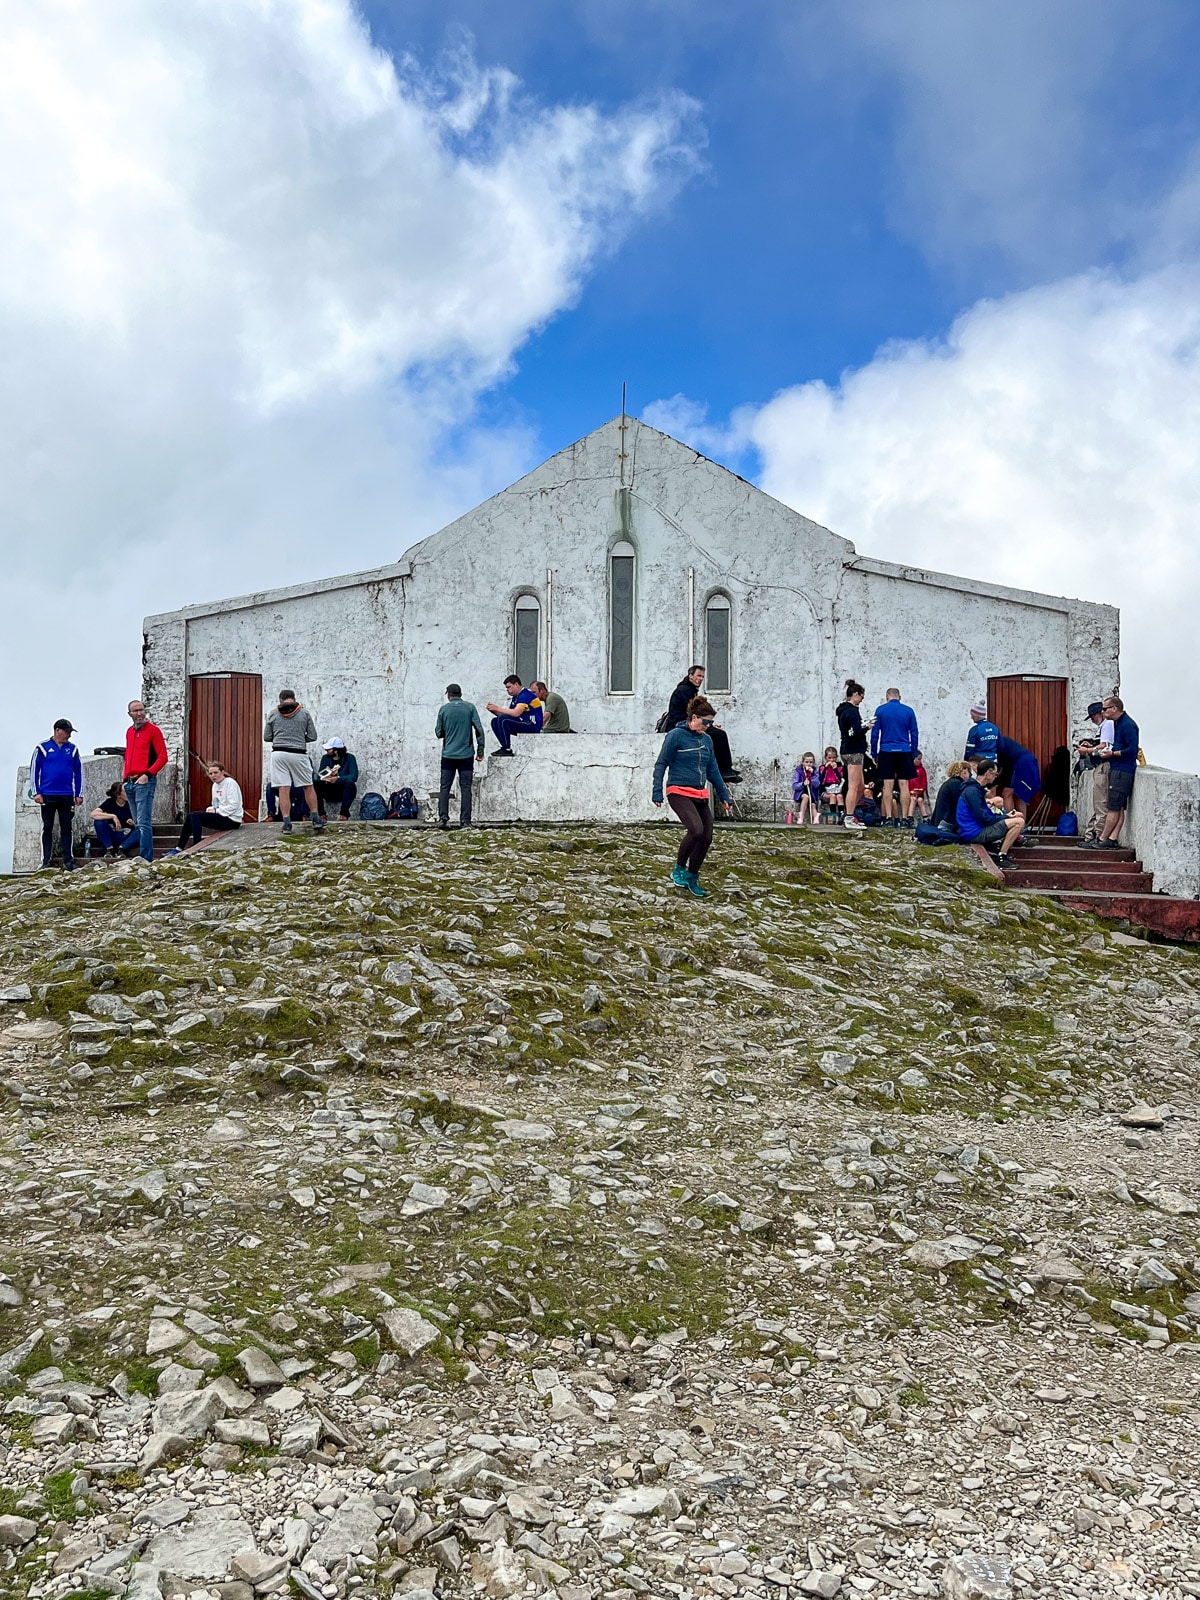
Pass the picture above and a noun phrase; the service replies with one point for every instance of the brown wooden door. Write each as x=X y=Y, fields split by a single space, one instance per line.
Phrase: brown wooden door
x=225 y=725
x=1033 y=711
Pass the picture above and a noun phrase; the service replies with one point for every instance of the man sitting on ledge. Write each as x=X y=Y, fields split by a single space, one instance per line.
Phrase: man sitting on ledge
x=523 y=714
x=557 y=718
x=682 y=695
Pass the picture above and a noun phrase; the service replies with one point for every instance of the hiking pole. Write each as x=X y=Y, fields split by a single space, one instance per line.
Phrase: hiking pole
x=775 y=790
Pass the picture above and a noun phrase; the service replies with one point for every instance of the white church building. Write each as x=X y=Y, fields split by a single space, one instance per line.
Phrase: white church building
x=607 y=572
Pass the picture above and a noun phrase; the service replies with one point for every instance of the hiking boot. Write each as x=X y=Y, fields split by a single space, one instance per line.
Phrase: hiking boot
x=502 y=752
x=1005 y=863
x=287 y=825
x=319 y=824
x=1092 y=844
x=69 y=865
x=693 y=886
x=679 y=877
x=1110 y=844
x=444 y=824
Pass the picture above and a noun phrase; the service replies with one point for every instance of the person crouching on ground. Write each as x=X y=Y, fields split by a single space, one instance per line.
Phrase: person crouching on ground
x=337 y=779
x=116 y=831
x=979 y=824
x=224 y=814
x=689 y=763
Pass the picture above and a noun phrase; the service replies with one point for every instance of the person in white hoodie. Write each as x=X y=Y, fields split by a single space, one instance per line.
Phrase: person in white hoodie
x=225 y=812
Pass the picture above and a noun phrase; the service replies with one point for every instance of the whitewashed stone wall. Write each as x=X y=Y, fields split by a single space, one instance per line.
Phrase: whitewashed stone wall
x=371 y=654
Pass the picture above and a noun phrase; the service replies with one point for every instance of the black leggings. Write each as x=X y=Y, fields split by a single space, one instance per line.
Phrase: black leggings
x=697 y=819
x=198 y=821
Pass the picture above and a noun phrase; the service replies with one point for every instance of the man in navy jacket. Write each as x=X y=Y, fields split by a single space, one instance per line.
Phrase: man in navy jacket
x=1122 y=769
x=894 y=747
x=56 y=778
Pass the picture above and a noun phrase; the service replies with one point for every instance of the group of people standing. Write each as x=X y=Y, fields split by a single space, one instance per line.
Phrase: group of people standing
x=124 y=820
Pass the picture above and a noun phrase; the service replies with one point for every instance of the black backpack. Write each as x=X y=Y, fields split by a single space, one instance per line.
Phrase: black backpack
x=402 y=805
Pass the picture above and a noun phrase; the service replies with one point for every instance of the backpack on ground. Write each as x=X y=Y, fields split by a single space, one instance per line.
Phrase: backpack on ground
x=372 y=808
x=402 y=805
x=1068 y=825
x=926 y=833
x=867 y=812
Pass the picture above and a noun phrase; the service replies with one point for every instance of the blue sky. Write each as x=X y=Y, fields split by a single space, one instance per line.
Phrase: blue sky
x=866 y=173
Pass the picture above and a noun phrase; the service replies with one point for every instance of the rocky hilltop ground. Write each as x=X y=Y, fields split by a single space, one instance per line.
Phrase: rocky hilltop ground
x=397 y=1212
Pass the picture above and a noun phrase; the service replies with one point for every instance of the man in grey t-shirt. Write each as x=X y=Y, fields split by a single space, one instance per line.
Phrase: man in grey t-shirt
x=289 y=731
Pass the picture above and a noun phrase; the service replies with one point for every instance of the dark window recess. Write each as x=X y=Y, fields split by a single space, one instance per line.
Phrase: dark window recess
x=718 y=665
x=620 y=666
x=528 y=626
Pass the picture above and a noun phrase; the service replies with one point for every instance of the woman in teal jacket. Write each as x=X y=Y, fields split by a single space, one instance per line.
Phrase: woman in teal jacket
x=689 y=764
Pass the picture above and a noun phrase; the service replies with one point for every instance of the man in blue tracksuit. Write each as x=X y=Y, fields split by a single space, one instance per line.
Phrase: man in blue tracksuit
x=894 y=749
x=982 y=738
x=56 y=778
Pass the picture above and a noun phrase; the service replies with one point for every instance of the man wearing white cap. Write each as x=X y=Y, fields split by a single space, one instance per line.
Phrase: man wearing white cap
x=337 y=779
x=983 y=737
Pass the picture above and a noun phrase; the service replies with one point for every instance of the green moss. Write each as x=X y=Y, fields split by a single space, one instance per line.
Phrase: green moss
x=60 y=1502
x=912 y=1395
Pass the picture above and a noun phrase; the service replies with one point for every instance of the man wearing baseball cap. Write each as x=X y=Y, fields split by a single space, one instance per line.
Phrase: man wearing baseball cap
x=337 y=779
x=1087 y=748
x=982 y=738
x=56 y=778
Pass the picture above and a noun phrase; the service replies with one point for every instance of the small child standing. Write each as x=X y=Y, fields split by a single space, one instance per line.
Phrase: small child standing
x=831 y=775
x=918 y=791
x=806 y=789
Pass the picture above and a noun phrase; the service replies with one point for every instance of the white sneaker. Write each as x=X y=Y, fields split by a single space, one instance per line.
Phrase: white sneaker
x=853 y=822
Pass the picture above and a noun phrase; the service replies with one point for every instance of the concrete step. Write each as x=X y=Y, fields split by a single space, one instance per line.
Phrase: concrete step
x=1107 y=882
x=1083 y=859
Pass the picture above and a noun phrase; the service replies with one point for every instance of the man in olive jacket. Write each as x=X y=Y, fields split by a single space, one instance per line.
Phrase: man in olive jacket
x=459 y=728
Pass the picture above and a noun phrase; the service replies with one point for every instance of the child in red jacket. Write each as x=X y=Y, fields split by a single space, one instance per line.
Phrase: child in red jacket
x=918 y=792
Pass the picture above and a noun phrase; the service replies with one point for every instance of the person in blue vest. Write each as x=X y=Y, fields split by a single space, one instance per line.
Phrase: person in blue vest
x=1122 y=762
x=894 y=746
x=1020 y=775
x=982 y=737
x=523 y=714
x=56 y=778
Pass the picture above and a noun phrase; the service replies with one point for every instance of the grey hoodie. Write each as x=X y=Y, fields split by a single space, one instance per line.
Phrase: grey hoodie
x=294 y=733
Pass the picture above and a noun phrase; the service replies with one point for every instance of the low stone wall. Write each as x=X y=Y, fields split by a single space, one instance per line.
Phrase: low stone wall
x=99 y=772
x=586 y=777
x=1163 y=826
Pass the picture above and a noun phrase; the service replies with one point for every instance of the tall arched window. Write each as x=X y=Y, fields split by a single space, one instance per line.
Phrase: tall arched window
x=621 y=585
x=718 y=644
x=527 y=633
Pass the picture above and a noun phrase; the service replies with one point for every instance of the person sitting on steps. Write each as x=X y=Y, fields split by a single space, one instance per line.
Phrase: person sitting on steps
x=522 y=714
x=978 y=824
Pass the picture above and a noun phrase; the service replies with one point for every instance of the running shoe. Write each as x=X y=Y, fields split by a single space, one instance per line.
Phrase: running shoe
x=679 y=877
x=693 y=887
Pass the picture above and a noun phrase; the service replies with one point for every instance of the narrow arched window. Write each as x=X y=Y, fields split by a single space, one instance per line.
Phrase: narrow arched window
x=527 y=633
x=718 y=644
x=621 y=587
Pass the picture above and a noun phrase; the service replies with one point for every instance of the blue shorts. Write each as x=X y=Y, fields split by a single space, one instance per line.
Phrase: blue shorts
x=1026 y=778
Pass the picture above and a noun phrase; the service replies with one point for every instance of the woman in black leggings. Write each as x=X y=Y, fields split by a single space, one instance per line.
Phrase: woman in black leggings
x=690 y=765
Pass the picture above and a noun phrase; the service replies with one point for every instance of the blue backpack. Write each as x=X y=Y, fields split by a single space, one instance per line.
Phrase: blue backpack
x=402 y=805
x=926 y=833
x=372 y=808
x=1068 y=825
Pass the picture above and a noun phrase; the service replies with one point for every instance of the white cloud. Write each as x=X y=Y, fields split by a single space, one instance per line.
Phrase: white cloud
x=255 y=273
x=1049 y=442
x=1025 y=138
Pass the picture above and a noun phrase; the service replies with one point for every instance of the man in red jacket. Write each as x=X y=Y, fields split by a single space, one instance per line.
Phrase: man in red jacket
x=145 y=757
